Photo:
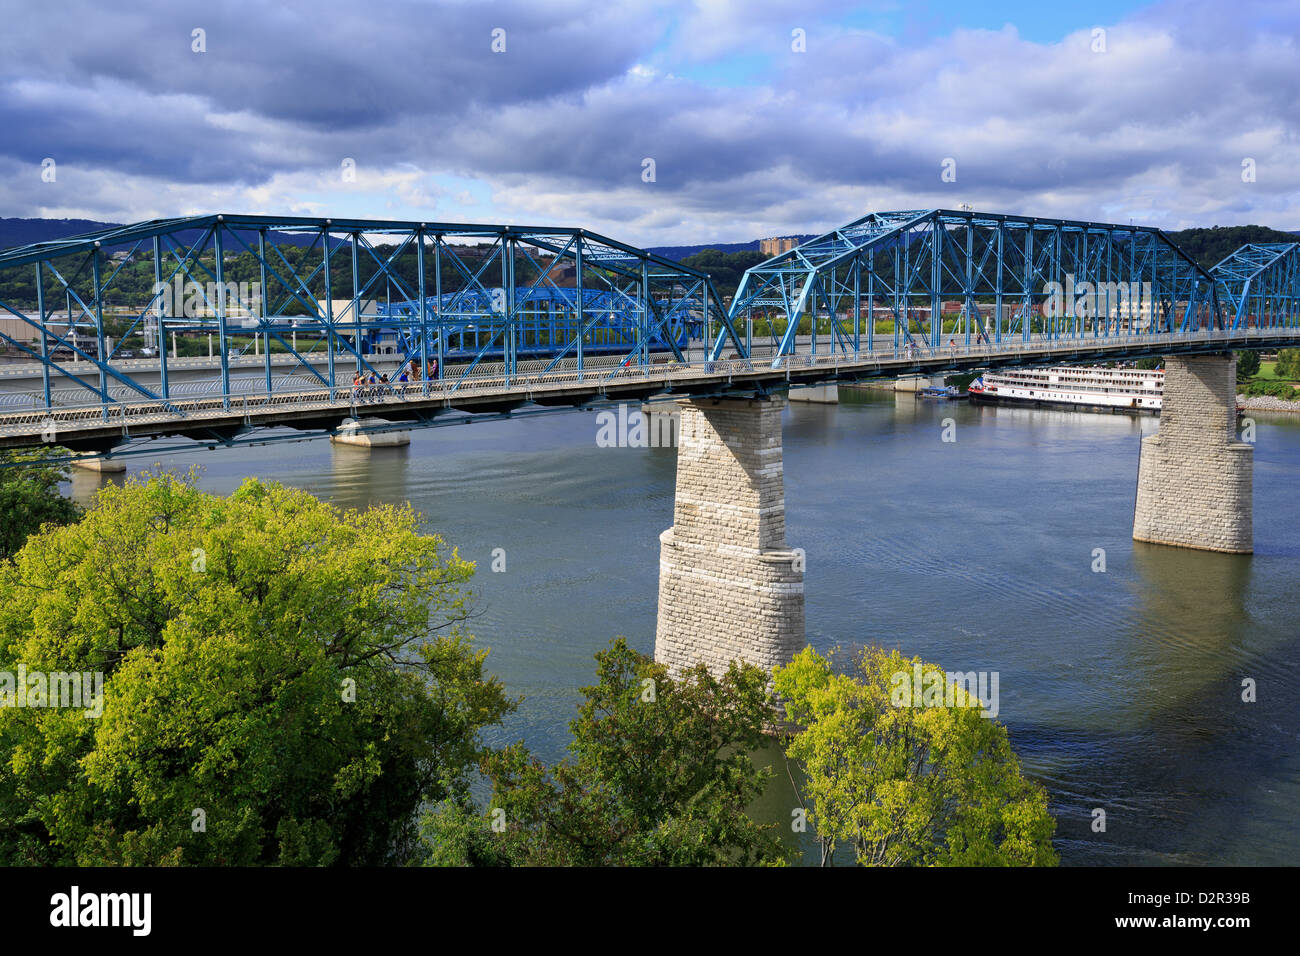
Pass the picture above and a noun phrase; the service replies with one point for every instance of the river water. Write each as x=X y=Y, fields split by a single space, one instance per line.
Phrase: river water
x=1122 y=689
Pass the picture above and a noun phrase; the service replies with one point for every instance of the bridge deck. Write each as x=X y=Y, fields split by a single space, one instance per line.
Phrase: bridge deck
x=101 y=427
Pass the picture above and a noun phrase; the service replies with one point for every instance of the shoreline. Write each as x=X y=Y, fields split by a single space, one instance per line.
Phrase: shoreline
x=1266 y=403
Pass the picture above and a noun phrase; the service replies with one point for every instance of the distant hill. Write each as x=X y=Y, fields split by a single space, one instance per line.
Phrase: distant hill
x=21 y=232
x=1208 y=246
x=681 y=252
x=1211 y=246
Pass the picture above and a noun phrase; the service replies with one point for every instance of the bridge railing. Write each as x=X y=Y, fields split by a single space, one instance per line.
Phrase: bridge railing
x=534 y=377
x=464 y=377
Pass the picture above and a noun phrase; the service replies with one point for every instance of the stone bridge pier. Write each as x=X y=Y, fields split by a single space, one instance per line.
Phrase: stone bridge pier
x=729 y=588
x=1194 y=476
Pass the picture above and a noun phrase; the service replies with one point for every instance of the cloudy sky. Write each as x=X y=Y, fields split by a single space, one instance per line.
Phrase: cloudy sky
x=755 y=118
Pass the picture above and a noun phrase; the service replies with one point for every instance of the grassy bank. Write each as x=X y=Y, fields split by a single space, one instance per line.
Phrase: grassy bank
x=1267 y=382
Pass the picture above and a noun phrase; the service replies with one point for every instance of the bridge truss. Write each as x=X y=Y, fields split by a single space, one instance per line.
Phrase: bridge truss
x=464 y=323
x=323 y=292
x=1259 y=284
x=934 y=276
x=486 y=319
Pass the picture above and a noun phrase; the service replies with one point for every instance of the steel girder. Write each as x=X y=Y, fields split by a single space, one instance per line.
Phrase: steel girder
x=996 y=272
x=328 y=287
x=90 y=298
x=547 y=327
x=1260 y=285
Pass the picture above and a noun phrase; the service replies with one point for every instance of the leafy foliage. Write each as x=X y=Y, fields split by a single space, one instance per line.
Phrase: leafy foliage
x=660 y=775
x=30 y=498
x=1287 y=393
x=1211 y=246
x=1247 y=365
x=1278 y=385
x=1288 y=364
x=231 y=633
x=726 y=268
x=908 y=786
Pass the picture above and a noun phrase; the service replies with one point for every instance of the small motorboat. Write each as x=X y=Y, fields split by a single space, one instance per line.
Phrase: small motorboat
x=939 y=391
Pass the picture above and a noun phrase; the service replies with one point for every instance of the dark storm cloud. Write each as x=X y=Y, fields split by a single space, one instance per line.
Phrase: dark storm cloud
x=345 y=69
x=336 y=64
x=1158 y=122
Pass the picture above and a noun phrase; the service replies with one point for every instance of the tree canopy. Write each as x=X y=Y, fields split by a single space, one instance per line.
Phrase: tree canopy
x=1288 y=364
x=726 y=268
x=282 y=682
x=1210 y=246
x=660 y=774
x=1247 y=364
x=908 y=785
x=29 y=497
x=279 y=682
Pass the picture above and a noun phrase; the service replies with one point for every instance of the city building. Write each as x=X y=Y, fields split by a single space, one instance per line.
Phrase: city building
x=777 y=245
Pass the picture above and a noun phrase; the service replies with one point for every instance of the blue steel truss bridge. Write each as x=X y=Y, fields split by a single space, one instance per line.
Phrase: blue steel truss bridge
x=228 y=329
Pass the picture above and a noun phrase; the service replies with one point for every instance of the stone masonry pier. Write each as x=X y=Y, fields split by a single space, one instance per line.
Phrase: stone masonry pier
x=729 y=588
x=1194 y=476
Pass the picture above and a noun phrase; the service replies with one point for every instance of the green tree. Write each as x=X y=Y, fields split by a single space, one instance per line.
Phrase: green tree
x=905 y=785
x=1209 y=246
x=1247 y=365
x=283 y=683
x=660 y=774
x=30 y=498
x=1149 y=363
x=726 y=268
x=1288 y=364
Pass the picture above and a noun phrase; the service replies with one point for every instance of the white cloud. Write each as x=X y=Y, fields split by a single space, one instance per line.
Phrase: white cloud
x=1155 y=128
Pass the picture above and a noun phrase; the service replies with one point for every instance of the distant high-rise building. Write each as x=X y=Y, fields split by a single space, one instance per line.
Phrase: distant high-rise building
x=777 y=245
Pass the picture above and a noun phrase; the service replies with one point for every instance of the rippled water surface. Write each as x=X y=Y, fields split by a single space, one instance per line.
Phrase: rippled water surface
x=1122 y=689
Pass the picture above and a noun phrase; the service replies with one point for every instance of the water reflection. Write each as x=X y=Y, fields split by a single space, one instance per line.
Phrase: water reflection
x=1197 y=595
x=363 y=476
x=84 y=484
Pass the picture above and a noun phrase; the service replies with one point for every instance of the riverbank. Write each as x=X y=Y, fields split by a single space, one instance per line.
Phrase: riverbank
x=1266 y=403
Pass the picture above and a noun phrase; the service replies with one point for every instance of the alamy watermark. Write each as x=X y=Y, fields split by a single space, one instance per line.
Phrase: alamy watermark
x=635 y=429
x=935 y=688
x=81 y=690
x=191 y=300
x=1085 y=300
x=127 y=910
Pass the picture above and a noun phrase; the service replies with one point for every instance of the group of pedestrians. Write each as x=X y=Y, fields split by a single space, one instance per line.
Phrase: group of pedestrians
x=371 y=387
x=374 y=387
x=911 y=351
